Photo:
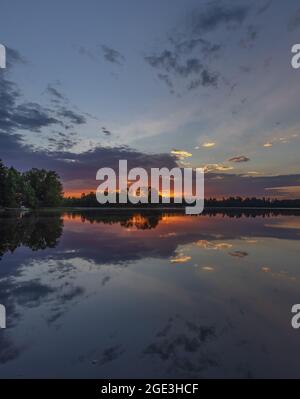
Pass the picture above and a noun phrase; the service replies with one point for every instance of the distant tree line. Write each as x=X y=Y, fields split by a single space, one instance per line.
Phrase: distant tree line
x=90 y=200
x=253 y=202
x=34 y=188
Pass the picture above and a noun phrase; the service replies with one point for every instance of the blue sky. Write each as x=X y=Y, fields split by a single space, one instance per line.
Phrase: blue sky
x=211 y=80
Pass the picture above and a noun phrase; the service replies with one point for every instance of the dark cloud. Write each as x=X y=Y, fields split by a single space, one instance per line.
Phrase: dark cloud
x=169 y=62
x=166 y=60
x=246 y=185
x=165 y=78
x=207 y=48
x=76 y=170
x=25 y=116
x=183 y=346
x=60 y=141
x=207 y=78
x=91 y=54
x=15 y=116
x=106 y=131
x=13 y=57
x=172 y=66
x=238 y=159
x=112 y=55
x=32 y=116
x=55 y=94
x=264 y=7
x=62 y=109
x=238 y=254
x=188 y=56
x=110 y=354
x=71 y=116
x=216 y=15
x=79 y=170
x=251 y=36
x=294 y=21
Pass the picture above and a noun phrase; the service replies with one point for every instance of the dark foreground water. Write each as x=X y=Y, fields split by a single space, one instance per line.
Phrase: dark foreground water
x=93 y=294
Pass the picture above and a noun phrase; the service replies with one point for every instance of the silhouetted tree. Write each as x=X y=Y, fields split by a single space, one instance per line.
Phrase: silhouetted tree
x=35 y=188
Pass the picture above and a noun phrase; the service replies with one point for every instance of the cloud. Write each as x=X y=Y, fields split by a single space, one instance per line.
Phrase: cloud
x=208 y=268
x=15 y=116
x=217 y=167
x=165 y=78
x=217 y=15
x=180 y=258
x=77 y=170
x=251 y=36
x=238 y=254
x=264 y=7
x=172 y=66
x=187 y=45
x=56 y=95
x=181 y=154
x=106 y=131
x=253 y=172
x=281 y=140
x=189 y=55
x=26 y=116
x=62 y=109
x=208 y=144
x=285 y=191
x=110 y=55
x=71 y=116
x=239 y=159
x=60 y=141
x=13 y=57
x=168 y=61
x=207 y=79
x=229 y=184
x=113 y=56
x=91 y=54
x=211 y=245
x=294 y=21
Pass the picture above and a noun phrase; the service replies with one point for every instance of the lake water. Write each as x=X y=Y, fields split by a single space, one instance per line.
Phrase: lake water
x=149 y=295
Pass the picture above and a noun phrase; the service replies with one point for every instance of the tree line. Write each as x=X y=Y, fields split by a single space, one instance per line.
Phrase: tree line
x=90 y=200
x=33 y=189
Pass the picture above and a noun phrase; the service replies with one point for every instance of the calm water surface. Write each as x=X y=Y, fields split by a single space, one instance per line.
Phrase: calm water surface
x=100 y=295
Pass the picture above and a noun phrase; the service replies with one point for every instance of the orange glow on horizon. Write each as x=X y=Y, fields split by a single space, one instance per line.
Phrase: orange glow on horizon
x=78 y=193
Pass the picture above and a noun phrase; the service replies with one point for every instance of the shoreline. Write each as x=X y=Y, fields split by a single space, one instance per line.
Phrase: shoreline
x=208 y=208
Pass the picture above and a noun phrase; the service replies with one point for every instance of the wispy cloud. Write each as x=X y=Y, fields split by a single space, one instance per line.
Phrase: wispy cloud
x=238 y=254
x=112 y=55
x=181 y=154
x=217 y=14
x=171 y=66
x=250 y=37
x=98 y=52
x=208 y=144
x=180 y=259
x=239 y=159
x=217 y=167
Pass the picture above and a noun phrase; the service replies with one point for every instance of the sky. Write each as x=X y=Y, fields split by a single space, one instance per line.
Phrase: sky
x=160 y=83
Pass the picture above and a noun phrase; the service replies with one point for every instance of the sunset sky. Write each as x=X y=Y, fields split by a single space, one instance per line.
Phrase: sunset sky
x=159 y=83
